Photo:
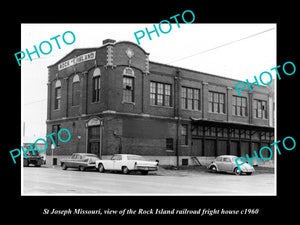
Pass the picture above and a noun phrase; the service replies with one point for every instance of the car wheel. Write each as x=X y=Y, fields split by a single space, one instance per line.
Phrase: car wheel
x=213 y=169
x=249 y=173
x=101 y=168
x=125 y=170
x=81 y=168
x=63 y=166
x=237 y=171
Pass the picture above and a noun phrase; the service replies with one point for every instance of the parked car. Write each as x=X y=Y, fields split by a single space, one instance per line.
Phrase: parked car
x=36 y=160
x=81 y=161
x=126 y=163
x=226 y=163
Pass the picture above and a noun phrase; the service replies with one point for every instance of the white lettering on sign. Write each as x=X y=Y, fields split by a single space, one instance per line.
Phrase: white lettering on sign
x=76 y=60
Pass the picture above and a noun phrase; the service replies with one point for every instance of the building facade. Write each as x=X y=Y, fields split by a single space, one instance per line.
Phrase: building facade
x=112 y=99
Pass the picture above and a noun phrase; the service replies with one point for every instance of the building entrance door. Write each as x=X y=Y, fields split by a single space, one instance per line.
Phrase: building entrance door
x=94 y=148
x=197 y=147
x=94 y=128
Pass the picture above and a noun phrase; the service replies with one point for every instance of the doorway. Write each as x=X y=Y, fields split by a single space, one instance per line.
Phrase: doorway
x=94 y=131
x=94 y=148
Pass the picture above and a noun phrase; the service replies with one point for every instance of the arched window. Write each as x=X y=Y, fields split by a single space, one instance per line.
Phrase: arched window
x=57 y=101
x=128 y=72
x=96 y=85
x=75 y=90
x=128 y=85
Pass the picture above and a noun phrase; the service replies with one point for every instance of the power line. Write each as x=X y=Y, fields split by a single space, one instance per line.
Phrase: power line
x=229 y=43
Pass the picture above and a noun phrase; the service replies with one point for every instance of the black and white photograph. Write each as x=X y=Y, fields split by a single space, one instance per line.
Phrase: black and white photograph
x=107 y=120
x=139 y=113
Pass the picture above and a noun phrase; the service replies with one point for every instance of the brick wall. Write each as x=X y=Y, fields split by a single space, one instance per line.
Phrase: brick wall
x=111 y=101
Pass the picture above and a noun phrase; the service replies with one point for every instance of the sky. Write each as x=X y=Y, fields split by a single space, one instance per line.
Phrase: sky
x=238 y=51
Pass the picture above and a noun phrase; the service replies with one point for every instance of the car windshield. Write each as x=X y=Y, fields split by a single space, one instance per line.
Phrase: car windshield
x=30 y=153
x=135 y=157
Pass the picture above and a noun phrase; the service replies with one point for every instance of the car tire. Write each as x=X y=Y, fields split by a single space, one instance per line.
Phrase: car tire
x=144 y=172
x=101 y=168
x=63 y=166
x=125 y=170
x=249 y=173
x=236 y=171
x=213 y=169
x=81 y=168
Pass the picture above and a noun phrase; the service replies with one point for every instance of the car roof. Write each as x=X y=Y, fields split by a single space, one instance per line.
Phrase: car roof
x=127 y=154
x=230 y=156
x=85 y=154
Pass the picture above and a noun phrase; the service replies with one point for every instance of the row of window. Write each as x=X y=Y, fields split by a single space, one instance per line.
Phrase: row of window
x=161 y=95
x=223 y=132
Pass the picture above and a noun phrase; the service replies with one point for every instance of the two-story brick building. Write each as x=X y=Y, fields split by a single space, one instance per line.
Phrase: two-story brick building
x=114 y=100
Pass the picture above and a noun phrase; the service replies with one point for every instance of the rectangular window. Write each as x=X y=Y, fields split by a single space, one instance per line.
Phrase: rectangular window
x=184 y=134
x=169 y=144
x=239 y=106
x=75 y=93
x=260 y=108
x=190 y=98
x=194 y=130
x=96 y=89
x=216 y=102
x=152 y=93
x=160 y=94
x=57 y=98
x=128 y=89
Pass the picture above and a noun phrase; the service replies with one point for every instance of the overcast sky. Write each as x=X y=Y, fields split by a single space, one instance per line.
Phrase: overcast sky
x=238 y=51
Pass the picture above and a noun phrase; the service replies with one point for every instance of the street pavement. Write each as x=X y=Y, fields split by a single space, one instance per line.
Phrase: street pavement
x=55 y=181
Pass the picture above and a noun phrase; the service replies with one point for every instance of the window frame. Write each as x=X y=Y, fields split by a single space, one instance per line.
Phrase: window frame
x=161 y=94
x=57 y=95
x=240 y=107
x=96 y=85
x=214 y=101
x=125 y=90
x=169 y=144
x=184 y=134
x=76 y=90
x=259 y=112
x=188 y=98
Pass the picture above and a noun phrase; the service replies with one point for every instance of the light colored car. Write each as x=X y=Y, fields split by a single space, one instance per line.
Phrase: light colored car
x=81 y=161
x=126 y=163
x=226 y=163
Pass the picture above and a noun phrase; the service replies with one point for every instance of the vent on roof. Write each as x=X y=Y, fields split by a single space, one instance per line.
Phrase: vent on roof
x=108 y=41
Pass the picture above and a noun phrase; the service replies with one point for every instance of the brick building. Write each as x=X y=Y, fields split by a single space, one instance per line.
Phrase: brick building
x=114 y=100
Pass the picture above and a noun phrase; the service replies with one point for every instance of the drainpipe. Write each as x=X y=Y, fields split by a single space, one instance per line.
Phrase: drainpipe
x=177 y=111
x=177 y=141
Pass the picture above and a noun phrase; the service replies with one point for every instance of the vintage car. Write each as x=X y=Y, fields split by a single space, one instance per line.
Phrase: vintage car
x=35 y=159
x=126 y=163
x=226 y=163
x=81 y=161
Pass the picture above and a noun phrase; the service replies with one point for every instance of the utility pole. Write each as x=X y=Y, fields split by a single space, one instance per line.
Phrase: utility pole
x=24 y=129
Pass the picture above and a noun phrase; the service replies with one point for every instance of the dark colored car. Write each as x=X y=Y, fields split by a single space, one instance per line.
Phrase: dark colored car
x=81 y=161
x=36 y=160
